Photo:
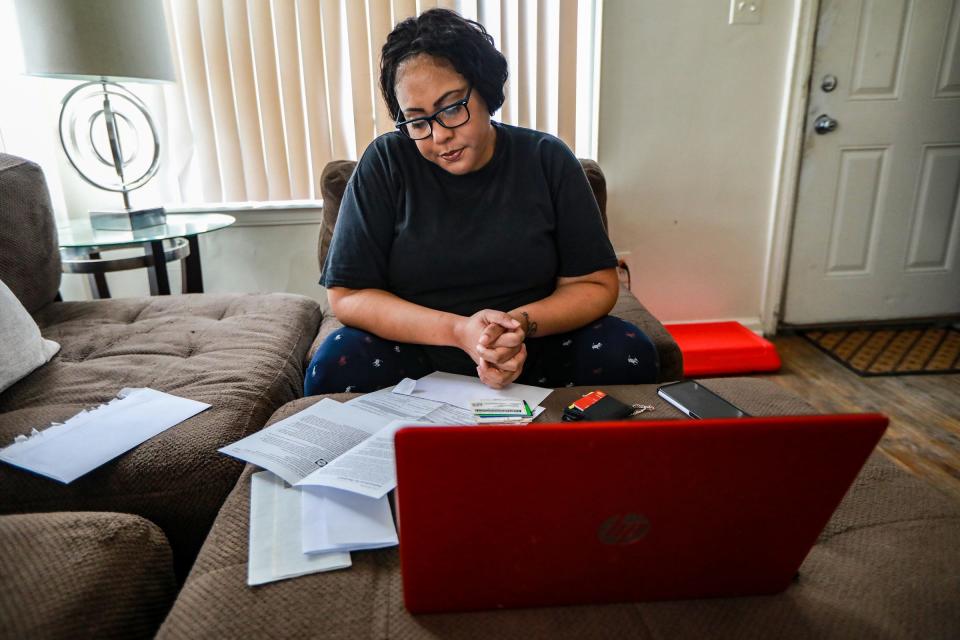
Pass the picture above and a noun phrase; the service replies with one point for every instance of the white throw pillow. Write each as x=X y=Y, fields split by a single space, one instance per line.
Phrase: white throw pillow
x=22 y=348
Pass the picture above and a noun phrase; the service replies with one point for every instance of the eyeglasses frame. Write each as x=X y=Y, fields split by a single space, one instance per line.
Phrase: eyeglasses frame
x=433 y=118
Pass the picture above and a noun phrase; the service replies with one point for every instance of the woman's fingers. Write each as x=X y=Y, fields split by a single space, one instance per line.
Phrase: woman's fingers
x=500 y=376
x=491 y=376
x=509 y=339
x=497 y=356
x=496 y=323
x=515 y=364
x=498 y=338
x=490 y=335
x=505 y=320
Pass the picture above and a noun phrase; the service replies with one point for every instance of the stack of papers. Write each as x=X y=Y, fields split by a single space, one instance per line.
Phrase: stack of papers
x=276 y=549
x=331 y=466
x=334 y=520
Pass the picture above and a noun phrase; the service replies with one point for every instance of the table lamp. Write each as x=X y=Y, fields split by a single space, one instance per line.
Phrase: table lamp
x=106 y=131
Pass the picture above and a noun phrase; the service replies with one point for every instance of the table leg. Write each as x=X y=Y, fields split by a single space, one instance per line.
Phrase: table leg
x=192 y=274
x=159 y=280
x=98 y=281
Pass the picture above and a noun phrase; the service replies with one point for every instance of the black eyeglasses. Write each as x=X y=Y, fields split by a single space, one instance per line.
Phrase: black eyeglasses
x=449 y=117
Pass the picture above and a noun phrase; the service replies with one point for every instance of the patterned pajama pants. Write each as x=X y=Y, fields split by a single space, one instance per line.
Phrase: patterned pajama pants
x=607 y=351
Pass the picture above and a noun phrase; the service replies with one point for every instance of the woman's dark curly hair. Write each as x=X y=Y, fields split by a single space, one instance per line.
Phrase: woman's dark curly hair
x=442 y=33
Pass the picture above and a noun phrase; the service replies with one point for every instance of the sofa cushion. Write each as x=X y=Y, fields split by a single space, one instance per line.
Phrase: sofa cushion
x=671 y=359
x=333 y=182
x=29 y=258
x=242 y=354
x=24 y=348
x=598 y=184
x=885 y=566
x=83 y=575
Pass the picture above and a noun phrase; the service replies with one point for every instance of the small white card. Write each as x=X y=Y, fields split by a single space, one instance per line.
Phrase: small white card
x=501 y=407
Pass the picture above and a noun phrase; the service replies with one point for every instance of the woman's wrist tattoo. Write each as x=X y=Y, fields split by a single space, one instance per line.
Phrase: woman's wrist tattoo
x=531 y=325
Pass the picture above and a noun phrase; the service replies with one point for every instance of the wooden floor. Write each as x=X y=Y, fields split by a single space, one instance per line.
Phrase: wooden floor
x=924 y=410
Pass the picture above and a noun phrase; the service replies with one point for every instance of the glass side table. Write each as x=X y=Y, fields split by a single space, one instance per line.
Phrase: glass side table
x=81 y=247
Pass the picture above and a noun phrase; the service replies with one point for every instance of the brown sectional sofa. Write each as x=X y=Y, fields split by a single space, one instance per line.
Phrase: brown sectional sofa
x=887 y=565
x=242 y=354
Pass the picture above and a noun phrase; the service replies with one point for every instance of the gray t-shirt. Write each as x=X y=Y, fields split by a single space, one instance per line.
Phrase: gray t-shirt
x=496 y=238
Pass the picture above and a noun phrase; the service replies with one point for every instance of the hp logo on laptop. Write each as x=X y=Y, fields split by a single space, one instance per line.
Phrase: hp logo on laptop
x=623 y=529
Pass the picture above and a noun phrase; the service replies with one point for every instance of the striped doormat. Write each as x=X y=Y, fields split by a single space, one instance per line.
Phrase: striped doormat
x=891 y=351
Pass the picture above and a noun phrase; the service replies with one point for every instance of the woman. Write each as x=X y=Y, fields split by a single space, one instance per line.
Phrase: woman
x=466 y=245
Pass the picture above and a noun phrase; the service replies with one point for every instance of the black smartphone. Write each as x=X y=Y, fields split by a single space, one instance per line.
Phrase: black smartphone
x=697 y=401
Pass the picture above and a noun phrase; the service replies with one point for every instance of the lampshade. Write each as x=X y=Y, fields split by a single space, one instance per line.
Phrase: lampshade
x=95 y=39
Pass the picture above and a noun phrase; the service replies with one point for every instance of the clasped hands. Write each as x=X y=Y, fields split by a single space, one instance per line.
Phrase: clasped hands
x=494 y=340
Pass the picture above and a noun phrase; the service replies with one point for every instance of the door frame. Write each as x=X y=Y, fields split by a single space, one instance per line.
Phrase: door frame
x=789 y=161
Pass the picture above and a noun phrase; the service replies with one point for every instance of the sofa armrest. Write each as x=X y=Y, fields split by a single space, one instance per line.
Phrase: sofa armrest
x=328 y=324
x=83 y=575
x=671 y=359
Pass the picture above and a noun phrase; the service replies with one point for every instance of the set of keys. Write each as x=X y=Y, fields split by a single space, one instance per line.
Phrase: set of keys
x=641 y=408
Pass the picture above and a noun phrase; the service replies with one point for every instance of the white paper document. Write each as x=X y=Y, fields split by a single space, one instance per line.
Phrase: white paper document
x=306 y=441
x=275 y=535
x=92 y=438
x=390 y=404
x=368 y=469
x=393 y=404
x=460 y=391
x=334 y=520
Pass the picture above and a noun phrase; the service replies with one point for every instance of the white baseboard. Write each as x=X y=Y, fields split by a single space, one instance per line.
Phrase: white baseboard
x=262 y=214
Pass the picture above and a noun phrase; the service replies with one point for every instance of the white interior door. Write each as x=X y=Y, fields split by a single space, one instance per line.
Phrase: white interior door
x=877 y=224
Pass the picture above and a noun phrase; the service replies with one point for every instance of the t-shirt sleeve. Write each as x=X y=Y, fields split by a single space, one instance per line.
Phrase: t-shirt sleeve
x=582 y=243
x=362 y=238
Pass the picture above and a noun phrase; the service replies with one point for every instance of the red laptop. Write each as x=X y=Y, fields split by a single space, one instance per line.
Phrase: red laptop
x=555 y=514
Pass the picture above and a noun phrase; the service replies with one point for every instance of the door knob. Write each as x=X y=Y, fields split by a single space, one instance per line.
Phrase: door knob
x=824 y=124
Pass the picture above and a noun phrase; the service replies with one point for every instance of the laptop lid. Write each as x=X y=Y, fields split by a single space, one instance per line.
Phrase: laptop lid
x=497 y=516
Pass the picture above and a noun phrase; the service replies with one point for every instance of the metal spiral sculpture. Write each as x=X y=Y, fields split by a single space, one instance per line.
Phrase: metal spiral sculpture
x=103 y=133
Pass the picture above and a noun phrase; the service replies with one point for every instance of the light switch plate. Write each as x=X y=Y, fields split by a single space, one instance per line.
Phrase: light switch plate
x=746 y=11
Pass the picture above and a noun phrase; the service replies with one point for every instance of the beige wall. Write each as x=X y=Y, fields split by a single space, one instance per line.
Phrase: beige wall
x=689 y=131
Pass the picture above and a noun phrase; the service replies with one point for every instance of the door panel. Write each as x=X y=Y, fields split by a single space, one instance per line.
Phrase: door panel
x=876 y=226
x=854 y=230
x=878 y=53
x=949 y=85
x=933 y=243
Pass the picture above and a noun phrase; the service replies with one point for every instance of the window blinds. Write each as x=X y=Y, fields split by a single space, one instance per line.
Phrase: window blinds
x=272 y=90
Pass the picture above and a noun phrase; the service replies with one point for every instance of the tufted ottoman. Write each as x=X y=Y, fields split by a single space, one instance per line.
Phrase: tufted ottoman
x=887 y=565
x=242 y=354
